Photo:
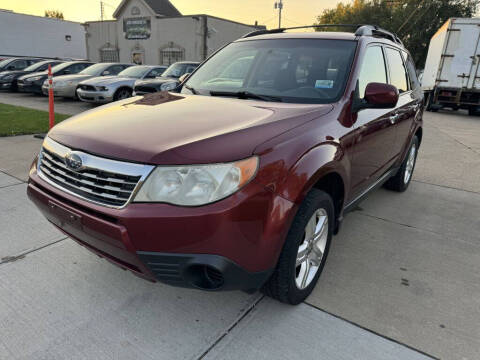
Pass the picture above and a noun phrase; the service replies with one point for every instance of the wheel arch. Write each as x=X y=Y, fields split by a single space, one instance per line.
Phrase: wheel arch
x=326 y=168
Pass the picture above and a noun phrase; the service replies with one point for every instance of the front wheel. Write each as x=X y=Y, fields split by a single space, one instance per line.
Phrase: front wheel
x=305 y=250
x=122 y=93
x=402 y=178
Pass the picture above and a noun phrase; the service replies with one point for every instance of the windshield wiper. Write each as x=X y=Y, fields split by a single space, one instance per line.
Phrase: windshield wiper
x=194 y=92
x=246 y=95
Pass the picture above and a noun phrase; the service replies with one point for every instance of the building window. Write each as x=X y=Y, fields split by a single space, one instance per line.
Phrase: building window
x=171 y=55
x=109 y=55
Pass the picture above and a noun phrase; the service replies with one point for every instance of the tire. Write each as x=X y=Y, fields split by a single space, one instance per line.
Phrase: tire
x=401 y=180
x=473 y=111
x=283 y=284
x=122 y=93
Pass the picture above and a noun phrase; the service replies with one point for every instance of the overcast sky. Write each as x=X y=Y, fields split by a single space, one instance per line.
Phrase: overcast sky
x=296 y=12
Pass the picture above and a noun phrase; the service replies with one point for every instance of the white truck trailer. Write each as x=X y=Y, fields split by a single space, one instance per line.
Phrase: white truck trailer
x=452 y=71
x=38 y=36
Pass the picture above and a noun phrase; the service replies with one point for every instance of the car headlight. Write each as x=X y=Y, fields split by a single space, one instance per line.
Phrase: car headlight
x=168 y=86
x=101 y=88
x=194 y=185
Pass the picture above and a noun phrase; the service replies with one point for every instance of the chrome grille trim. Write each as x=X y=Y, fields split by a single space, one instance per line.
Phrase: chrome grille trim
x=102 y=181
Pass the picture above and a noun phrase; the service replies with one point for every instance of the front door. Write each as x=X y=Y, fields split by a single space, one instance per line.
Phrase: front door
x=374 y=128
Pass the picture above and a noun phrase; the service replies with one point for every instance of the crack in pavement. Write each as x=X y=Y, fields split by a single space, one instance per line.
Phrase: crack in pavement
x=22 y=255
x=456 y=140
x=13 y=176
x=447 y=187
x=231 y=327
x=5 y=186
x=371 y=331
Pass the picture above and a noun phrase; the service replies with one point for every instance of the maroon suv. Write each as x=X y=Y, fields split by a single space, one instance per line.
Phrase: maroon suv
x=240 y=178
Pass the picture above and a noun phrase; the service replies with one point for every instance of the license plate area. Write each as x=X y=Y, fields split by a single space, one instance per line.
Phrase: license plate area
x=63 y=217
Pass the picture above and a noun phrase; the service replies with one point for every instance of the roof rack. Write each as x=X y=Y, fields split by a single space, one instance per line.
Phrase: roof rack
x=360 y=30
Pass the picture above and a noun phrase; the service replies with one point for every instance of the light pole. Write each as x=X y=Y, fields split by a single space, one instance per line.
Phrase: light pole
x=279 y=6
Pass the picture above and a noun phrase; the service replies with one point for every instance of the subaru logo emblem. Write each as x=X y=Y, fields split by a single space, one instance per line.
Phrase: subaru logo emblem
x=73 y=161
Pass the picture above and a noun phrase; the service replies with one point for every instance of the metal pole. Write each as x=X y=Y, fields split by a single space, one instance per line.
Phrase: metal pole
x=51 y=113
x=280 y=7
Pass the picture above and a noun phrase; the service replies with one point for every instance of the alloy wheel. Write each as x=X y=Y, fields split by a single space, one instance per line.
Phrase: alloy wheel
x=410 y=163
x=311 y=250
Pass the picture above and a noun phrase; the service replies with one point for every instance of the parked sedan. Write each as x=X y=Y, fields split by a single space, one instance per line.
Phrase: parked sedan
x=169 y=80
x=112 y=88
x=17 y=63
x=33 y=82
x=66 y=85
x=8 y=79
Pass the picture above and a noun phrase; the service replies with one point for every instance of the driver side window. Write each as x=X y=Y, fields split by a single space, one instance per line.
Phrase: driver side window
x=372 y=70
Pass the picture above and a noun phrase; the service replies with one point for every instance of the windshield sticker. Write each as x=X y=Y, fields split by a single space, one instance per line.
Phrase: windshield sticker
x=324 y=84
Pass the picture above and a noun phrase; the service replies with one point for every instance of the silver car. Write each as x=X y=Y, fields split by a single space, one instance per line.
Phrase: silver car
x=112 y=88
x=66 y=85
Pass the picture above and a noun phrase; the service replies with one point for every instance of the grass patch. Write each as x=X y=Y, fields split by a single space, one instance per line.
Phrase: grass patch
x=18 y=120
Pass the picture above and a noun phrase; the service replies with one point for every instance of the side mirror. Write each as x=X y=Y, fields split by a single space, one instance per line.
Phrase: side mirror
x=378 y=96
x=105 y=73
x=184 y=77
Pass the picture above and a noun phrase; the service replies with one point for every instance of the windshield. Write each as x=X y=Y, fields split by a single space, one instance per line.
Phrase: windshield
x=4 y=62
x=290 y=70
x=175 y=70
x=134 y=71
x=94 y=70
x=35 y=66
x=60 y=67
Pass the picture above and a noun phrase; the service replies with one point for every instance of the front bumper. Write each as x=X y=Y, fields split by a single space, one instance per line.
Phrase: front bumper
x=30 y=87
x=5 y=85
x=97 y=97
x=64 y=91
x=231 y=244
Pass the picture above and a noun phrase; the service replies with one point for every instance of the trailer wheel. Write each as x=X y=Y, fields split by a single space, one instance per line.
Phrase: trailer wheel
x=428 y=102
x=473 y=111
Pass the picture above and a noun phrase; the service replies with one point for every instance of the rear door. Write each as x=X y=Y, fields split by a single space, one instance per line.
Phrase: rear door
x=408 y=100
x=374 y=131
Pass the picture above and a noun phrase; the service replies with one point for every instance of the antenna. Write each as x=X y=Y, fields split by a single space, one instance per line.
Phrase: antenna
x=279 y=6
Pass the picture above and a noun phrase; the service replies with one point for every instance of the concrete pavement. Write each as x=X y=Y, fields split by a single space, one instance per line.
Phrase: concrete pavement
x=402 y=275
x=40 y=102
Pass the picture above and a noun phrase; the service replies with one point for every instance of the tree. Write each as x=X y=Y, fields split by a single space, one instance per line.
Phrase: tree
x=414 y=21
x=54 y=14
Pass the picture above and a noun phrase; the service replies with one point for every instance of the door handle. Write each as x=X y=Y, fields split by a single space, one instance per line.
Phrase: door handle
x=393 y=118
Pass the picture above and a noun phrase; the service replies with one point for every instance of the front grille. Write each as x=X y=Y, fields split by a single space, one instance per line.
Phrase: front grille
x=92 y=182
x=87 y=87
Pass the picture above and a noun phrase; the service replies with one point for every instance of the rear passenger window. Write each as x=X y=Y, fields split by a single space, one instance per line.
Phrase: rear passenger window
x=373 y=69
x=412 y=74
x=398 y=75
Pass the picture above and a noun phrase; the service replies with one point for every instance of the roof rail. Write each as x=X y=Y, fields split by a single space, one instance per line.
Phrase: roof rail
x=373 y=30
x=360 y=30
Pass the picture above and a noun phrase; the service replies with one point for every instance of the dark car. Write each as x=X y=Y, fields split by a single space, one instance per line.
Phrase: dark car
x=239 y=179
x=17 y=63
x=169 y=80
x=8 y=79
x=33 y=82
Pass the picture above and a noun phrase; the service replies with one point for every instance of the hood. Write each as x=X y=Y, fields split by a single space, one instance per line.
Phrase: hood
x=14 y=72
x=156 y=81
x=73 y=77
x=40 y=73
x=108 y=80
x=166 y=128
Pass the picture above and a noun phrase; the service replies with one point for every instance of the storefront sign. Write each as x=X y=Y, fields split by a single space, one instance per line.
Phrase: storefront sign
x=137 y=28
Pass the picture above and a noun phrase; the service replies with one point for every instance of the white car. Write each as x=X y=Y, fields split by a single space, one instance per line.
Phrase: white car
x=105 y=89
